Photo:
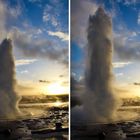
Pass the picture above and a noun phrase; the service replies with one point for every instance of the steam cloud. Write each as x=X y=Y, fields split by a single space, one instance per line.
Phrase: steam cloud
x=99 y=100
x=8 y=96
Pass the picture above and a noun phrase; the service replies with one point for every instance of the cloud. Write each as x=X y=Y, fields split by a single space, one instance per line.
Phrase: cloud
x=138 y=21
x=21 y=62
x=15 y=11
x=55 y=14
x=134 y=34
x=25 y=40
x=62 y=75
x=34 y=1
x=46 y=17
x=126 y=49
x=44 y=81
x=24 y=71
x=121 y=64
x=49 y=16
x=77 y=84
x=61 y=35
x=119 y=74
x=130 y=2
x=54 y=21
x=137 y=84
x=39 y=31
x=65 y=83
x=41 y=48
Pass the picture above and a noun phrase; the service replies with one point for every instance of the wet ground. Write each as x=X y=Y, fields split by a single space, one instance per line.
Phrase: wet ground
x=114 y=131
x=128 y=129
x=45 y=122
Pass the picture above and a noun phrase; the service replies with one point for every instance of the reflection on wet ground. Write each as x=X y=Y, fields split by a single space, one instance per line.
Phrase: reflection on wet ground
x=42 y=122
x=128 y=129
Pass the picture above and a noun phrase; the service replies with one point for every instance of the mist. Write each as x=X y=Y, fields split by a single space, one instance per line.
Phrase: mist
x=8 y=97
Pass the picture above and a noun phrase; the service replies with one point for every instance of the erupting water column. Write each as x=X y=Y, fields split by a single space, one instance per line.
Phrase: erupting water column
x=99 y=100
x=8 y=96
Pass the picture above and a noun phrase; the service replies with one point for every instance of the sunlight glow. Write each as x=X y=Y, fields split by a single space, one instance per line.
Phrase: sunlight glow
x=57 y=103
x=55 y=89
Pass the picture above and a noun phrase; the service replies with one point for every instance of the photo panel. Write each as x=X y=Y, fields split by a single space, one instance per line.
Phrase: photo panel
x=105 y=91
x=34 y=69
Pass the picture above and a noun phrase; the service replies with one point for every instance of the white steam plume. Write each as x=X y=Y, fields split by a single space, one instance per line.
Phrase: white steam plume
x=99 y=103
x=8 y=96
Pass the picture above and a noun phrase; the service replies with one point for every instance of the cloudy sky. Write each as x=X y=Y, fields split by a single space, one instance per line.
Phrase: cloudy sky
x=39 y=33
x=125 y=16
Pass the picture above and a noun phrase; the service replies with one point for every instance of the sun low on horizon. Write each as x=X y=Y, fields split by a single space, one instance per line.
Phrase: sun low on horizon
x=55 y=89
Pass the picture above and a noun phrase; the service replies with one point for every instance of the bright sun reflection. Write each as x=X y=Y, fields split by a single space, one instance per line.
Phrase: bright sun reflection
x=57 y=103
x=55 y=89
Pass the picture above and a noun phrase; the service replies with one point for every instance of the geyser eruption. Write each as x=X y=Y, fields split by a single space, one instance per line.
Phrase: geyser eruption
x=99 y=100
x=8 y=96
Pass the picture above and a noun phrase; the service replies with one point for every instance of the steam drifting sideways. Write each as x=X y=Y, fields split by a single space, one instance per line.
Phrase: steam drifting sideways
x=100 y=103
x=8 y=96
